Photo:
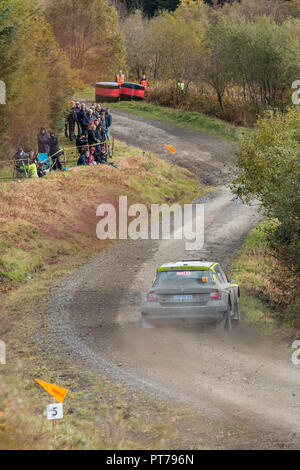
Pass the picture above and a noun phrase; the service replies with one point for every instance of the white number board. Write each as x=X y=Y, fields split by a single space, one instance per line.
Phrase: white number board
x=55 y=411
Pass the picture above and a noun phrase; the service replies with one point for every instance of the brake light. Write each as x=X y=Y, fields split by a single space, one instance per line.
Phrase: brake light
x=215 y=295
x=152 y=297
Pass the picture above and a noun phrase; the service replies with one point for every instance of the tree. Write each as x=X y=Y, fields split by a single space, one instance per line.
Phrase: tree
x=135 y=29
x=214 y=69
x=269 y=171
x=87 y=31
x=257 y=54
x=35 y=71
x=177 y=38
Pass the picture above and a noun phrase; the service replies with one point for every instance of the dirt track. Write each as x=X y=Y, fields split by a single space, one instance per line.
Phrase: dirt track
x=211 y=159
x=239 y=382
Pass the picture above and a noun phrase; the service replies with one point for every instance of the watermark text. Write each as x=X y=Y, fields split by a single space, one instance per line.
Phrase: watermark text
x=2 y=353
x=165 y=222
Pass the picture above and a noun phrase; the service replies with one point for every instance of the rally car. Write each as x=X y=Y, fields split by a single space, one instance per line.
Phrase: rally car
x=191 y=291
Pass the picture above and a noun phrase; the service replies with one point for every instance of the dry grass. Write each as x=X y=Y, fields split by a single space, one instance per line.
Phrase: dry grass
x=44 y=220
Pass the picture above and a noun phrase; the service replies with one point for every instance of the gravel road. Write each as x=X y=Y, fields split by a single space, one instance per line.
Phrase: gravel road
x=211 y=159
x=240 y=381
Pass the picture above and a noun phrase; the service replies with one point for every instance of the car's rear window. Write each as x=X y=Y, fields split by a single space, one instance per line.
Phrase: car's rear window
x=183 y=278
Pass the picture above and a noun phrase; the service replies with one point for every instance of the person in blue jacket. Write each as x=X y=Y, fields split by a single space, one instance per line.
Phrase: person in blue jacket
x=84 y=158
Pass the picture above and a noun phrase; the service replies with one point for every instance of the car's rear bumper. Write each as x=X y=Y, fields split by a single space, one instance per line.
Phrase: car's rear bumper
x=192 y=314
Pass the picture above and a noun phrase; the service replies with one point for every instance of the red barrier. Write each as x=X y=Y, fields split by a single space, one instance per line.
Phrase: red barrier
x=107 y=91
x=132 y=92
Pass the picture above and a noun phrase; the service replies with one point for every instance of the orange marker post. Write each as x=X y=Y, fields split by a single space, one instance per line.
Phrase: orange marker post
x=171 y=149
x=59 y=393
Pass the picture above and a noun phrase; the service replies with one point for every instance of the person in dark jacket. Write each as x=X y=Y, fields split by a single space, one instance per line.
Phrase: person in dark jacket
x=71 y=121
x=99 y=110
x=108 y=121
x=93 y=141
x=81 y=143
x=98 y=135
x=77 y=111
x=55 y=151
x=103 y=130
x=43 y=139
x=20 y=159
x=102 y=159
x=82 y=118
x=84 y=158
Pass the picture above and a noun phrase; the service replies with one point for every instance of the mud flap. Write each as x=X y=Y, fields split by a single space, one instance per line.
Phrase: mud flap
x=145 y=324
x=225 y=323
x=236 y=317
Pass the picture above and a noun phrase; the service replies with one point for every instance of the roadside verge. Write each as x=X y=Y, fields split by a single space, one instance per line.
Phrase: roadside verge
x=269 y=291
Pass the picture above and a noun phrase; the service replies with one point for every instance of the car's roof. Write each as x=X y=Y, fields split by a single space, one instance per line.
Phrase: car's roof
x=191 y=263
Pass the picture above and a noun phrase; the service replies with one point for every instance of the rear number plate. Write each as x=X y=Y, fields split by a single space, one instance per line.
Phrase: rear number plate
x=182 y=298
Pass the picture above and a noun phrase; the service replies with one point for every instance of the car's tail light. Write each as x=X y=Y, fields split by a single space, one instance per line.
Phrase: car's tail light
x=215 y=295
x=152 y=297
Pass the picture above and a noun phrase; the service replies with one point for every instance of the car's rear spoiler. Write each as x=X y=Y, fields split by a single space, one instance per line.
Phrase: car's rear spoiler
x=183 y=268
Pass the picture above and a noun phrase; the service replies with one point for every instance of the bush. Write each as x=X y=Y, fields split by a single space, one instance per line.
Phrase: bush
x=204 y=100
x=269 y=170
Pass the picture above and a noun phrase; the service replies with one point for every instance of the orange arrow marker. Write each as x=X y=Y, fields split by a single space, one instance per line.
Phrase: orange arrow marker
x=59 y=393
x=170 y=148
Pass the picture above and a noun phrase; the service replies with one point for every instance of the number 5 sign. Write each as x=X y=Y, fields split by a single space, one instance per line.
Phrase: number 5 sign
x=55 y=411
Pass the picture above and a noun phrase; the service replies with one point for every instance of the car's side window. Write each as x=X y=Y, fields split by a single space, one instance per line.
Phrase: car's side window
x=219 y=275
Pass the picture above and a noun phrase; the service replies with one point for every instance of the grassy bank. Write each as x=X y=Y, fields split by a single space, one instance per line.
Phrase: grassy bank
x=45 y=220
x=47 y=229
x=186 y=119
x=270 y=292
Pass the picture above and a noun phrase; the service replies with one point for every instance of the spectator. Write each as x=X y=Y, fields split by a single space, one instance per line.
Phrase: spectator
x=84 y=158
x=92 y=138
x=43 y=139
x=33 y=156
x=144 y=82
x=77 y=111
x=20 y=155
x=71 y=121
x=81 y=143
x=103 y=130
x=103 y=156
x=98 y=134
x=20 y=159
x=32 y=165
x=55 y=151
x=99 y=109
x=92 y=156
x=90 y=117
x=82 y=115
x=108 y=121
x=120 y=78
x=181 y=85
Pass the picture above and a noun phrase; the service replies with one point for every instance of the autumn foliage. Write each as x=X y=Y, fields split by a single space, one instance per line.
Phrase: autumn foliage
x=36 y=74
